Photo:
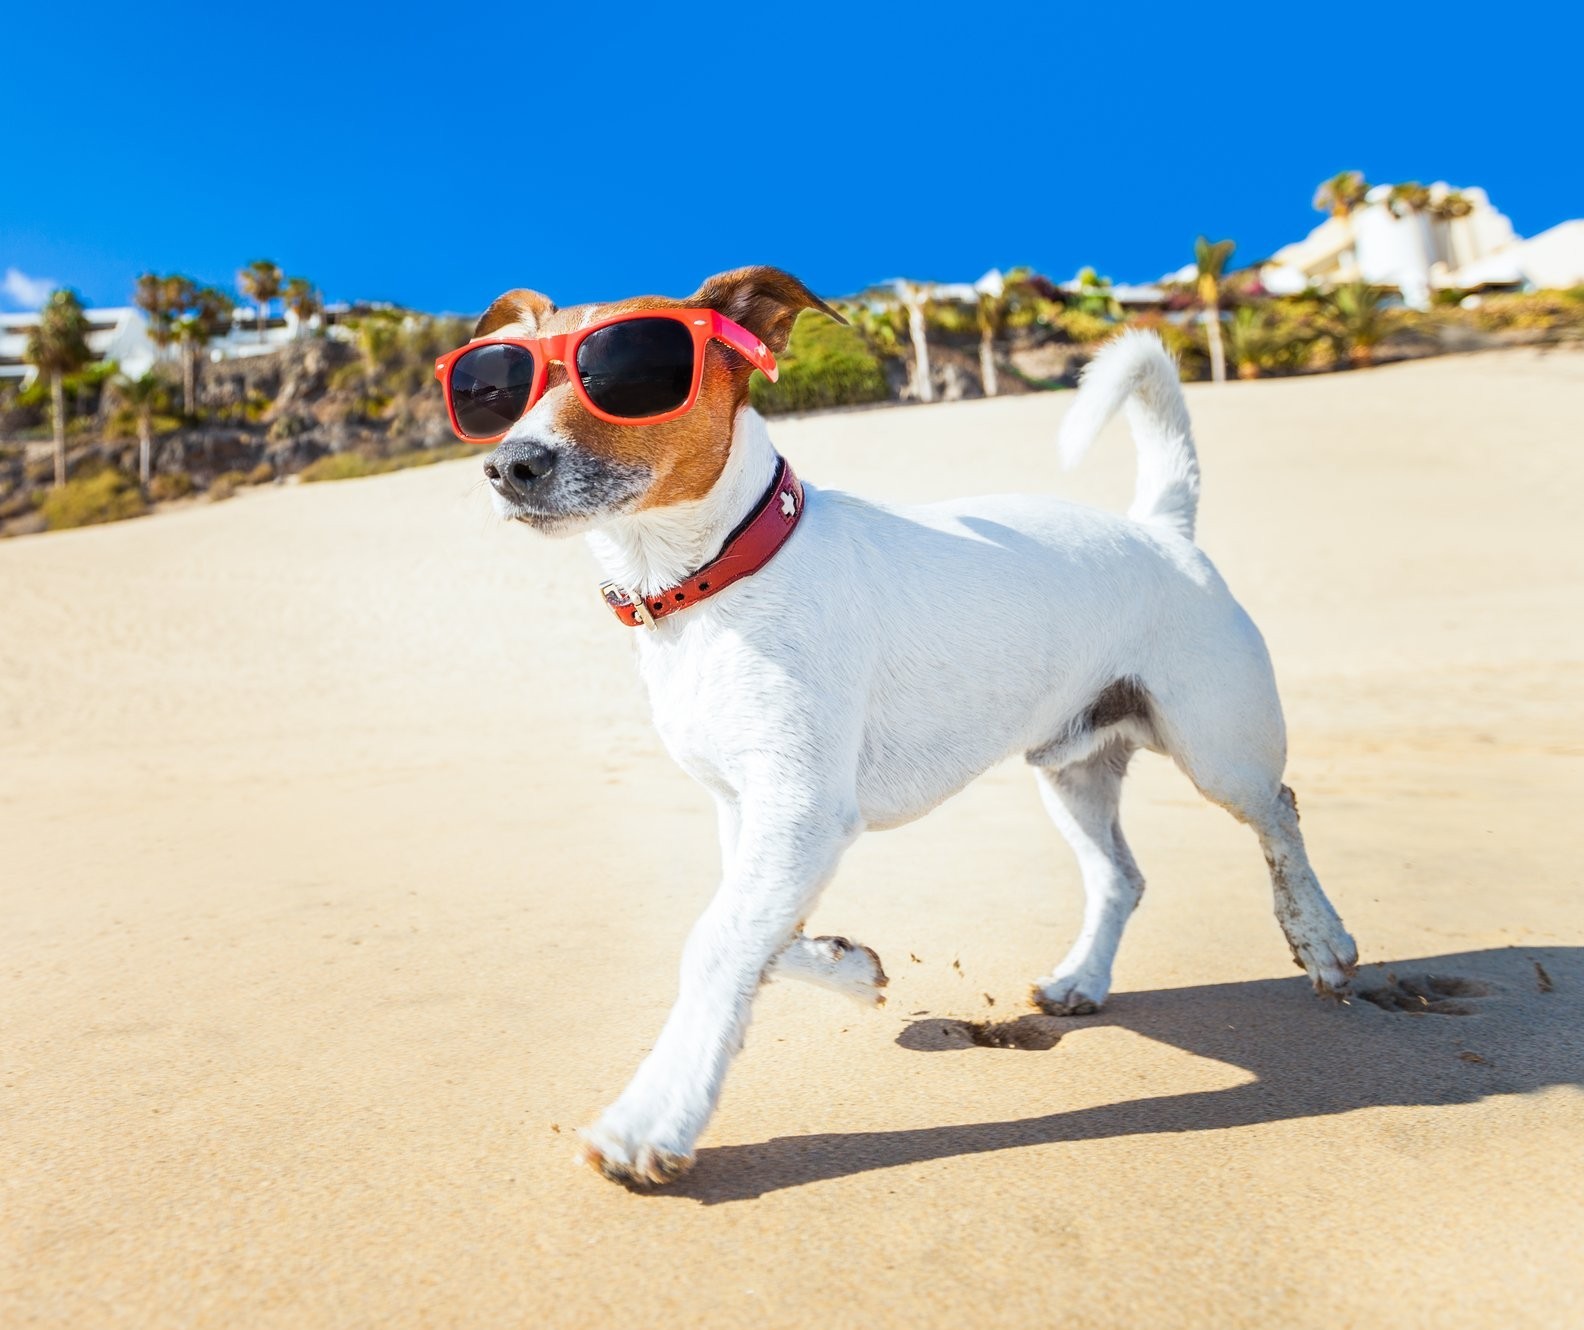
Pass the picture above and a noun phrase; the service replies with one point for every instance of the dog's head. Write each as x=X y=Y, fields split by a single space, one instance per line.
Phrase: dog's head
x=563 y=469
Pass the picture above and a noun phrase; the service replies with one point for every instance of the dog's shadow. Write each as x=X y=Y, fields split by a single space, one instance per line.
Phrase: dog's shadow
x=1430 y=1032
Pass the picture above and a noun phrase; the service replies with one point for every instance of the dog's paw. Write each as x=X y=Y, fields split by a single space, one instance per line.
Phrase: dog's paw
x=852 y=968
x=1069 y=995
x=1330 y=961
x=836 y=963
x=632 y=1163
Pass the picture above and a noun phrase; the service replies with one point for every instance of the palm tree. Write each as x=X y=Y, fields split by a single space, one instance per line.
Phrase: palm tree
x=1210 y=257
x=1450 y=206
x=191 y=336
x=1275 y=335
x=1095 y=295
x=58 y=346
x=881 y=322
x=1340 y=197
x=1444 y=208
x=1358 y=321
x=1408 y=199
x=148 y=295
x=1000 y=297
x=1411 y=204
x=1341 y=194
x=260 y=282
x=992 y=315
x=303 y=301
x=162 y=299
x=1250 y=339
x=143 y=395
x=208 y=311
x=914 y=297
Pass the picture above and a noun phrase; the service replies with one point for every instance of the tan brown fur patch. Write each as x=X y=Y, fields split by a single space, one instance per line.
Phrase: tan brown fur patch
x=522 y=311
x=766 y=301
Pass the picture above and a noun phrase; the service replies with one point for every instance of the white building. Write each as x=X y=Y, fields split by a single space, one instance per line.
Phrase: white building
x=1550 y=261
x=121 y=335
x=113 y=334
x=242 y=338
x=1418 y=252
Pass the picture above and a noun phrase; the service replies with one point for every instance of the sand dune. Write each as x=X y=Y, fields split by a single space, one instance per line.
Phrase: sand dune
x=343 y=877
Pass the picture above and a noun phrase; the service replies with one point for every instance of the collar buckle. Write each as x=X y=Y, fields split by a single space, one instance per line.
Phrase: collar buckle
x=618 y=597
x=745 y=551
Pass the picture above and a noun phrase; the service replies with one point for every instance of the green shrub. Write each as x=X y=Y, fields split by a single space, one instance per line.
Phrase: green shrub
x=1531 y=311
x=827 y=364
x=225 y=485
x=170 y=485
x=354 y=466
x=347 y=378
x=108 y=496
x=1356 y=317
x=428 y=456
x=341 y=466
x=1083 y=326
x=288 y=425
x=951 y=320
x=1272 y=337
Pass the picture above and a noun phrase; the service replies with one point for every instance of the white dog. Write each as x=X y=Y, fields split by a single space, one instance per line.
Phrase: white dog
x=867 y=662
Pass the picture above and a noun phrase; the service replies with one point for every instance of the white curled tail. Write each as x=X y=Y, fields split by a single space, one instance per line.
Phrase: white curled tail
x=1134 y=369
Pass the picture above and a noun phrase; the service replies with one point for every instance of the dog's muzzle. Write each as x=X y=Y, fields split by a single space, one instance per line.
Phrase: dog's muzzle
x=516 y=467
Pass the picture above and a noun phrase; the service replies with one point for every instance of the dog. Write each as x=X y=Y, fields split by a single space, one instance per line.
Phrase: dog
x=858 y=662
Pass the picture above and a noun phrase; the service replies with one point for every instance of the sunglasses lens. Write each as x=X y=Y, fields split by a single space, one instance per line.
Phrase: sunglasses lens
x=490 y=388
x=643 y=367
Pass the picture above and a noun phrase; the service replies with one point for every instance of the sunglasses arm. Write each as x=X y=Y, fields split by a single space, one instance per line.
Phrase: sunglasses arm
x=754 y=351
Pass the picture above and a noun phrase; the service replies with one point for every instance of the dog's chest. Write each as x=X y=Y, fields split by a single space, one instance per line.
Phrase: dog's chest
x=711 y=709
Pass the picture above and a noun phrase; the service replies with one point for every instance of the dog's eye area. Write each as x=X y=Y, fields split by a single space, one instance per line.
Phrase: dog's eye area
x=490 y=387
x=638 y=368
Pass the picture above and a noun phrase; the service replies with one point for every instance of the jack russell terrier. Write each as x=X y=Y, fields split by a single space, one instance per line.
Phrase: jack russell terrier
x=800 y=665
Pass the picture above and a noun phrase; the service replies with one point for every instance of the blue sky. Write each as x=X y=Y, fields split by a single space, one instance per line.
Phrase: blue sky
x=437 y=155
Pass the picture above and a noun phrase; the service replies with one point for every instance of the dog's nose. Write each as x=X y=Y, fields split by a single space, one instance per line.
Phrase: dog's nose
x=515 y=466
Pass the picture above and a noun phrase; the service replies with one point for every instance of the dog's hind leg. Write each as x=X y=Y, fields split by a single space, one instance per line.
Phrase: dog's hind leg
x=836 y=963
x=1082 y=799
x=1230 y=740
x=1321 y=946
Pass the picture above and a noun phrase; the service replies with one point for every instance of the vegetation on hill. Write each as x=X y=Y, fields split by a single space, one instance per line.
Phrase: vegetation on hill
x=353 y=397
x=827 y=364
x=107 y=496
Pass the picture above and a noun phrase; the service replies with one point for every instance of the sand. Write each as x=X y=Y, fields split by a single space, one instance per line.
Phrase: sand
x=343 y=877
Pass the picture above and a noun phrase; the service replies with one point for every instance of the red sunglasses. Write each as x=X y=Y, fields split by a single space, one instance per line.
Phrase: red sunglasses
x=637 y=368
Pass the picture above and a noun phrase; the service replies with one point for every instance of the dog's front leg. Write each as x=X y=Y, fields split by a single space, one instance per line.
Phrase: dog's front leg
x=780 y=862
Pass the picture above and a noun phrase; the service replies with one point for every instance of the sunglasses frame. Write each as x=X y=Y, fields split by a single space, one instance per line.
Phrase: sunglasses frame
x=704 y=324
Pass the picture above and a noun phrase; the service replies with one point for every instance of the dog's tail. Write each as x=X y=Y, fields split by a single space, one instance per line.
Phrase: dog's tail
x=1134 y=369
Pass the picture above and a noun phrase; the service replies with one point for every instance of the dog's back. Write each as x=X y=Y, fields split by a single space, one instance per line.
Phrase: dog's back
x=979 y=628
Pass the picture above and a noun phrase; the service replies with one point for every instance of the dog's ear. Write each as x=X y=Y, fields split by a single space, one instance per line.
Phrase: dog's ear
x=521 y=309
x=766 y=301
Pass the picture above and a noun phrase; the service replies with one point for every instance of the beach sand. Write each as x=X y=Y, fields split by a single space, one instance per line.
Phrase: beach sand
x=343 y=878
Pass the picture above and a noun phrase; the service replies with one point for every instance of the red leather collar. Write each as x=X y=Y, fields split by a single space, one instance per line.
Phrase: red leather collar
x=746 y=551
